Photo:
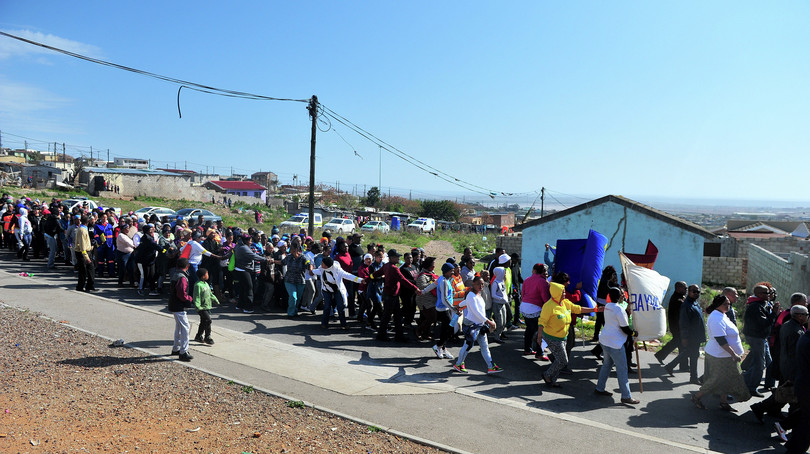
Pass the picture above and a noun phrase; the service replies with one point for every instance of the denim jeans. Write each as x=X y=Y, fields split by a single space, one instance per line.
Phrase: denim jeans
x=760 y=356
x=331 y=300
x=614 y=356
x=51 y=241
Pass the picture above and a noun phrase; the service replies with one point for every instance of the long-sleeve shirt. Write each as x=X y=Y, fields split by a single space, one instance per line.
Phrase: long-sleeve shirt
x=203 y=297
x=393 y=280
x=83 y=243
x=124 y=244
x=474 y=309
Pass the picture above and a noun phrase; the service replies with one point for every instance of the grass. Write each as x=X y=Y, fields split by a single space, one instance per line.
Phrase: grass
x=247 y=389
x=373 y=429
x=295 y=404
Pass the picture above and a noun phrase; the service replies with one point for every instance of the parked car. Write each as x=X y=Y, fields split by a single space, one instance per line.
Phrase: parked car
x=160 y=212
x=79 y=201
x=192 y=213
x=340 y=226
x=375 y=226
x=300 y=221
x=423 y=225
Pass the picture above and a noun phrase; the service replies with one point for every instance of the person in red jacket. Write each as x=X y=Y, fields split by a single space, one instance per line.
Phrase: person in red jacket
x=394 y=282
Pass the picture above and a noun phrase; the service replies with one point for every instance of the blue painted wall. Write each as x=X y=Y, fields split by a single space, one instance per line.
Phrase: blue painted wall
x=680 y=252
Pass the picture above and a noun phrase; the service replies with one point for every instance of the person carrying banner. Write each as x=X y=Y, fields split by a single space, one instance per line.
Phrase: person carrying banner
x=555 y=318
x=613 y=339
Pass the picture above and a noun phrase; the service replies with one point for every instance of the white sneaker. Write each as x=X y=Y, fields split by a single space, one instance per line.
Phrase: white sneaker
x=780 y=432
x=437 y=352
x=446 y=354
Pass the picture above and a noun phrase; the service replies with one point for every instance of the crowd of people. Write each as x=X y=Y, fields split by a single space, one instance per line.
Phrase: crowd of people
x=201 y=264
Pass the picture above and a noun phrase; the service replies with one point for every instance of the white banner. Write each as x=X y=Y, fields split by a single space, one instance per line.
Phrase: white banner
x=646 y=289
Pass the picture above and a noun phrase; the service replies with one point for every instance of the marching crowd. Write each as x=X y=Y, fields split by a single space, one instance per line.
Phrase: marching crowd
x=201 y=264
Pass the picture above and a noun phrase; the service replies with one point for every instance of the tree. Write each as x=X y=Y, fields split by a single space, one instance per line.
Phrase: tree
x=440 y=209
x=372 y=196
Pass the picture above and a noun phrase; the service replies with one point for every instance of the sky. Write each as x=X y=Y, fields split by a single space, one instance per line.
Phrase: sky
x=650 y=100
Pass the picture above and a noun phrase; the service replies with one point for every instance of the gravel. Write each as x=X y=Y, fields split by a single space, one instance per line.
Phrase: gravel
x=68 y=391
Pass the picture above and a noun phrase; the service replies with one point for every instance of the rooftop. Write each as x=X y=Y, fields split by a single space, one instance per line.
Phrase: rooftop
x=238 y=185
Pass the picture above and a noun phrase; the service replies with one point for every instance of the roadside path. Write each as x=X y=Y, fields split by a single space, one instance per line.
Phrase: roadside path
x=403 y=386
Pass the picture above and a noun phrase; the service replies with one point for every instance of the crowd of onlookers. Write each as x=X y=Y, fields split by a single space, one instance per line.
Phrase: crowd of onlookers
x=200 y=264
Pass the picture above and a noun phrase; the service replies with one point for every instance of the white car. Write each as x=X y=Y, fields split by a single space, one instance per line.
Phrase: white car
x=300 y=221
x=160 y=212
x=423 y=225
x=79 y=202
x=376 y=226
x=340 y=226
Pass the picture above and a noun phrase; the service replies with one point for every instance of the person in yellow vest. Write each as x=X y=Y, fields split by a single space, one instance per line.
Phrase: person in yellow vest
x=553 y=326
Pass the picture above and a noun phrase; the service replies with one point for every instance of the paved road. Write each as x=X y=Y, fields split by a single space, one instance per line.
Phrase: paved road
x=404 y=386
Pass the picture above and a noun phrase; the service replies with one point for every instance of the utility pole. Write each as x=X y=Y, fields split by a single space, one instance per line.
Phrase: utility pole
x=380 y=182
x=91 y=155
x=108 y=155
x=64 y=156
x=542 y=199
x=185 y=165
x=313 y=113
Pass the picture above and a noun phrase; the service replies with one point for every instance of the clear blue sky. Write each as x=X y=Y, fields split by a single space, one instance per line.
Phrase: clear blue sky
x=645 y=99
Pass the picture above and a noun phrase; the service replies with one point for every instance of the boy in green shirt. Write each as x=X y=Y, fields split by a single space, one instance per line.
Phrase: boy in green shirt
x=203 y=299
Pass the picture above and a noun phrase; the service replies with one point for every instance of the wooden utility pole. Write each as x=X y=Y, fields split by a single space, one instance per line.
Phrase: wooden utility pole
x=313 y=113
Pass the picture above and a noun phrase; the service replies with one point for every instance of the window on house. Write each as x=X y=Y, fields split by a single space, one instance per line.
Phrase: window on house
x=256 y=194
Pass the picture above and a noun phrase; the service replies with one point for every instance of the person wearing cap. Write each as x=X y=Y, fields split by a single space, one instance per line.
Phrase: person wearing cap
x=394 y=282
x=723 y=353
x=332 y=276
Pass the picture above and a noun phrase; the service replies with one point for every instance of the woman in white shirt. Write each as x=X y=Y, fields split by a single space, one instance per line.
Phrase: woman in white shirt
x=476 y=327
x=613 y=338
x=723 y=354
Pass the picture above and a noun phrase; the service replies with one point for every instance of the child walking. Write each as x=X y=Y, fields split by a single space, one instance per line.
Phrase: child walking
x=203 y=299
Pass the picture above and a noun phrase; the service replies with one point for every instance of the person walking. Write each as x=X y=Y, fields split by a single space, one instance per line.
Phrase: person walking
x=553 y=326
x=392 y=288
x=334 y=291
x=693 y=333
x=476 y=325
x=612 y=338
x=723 y=354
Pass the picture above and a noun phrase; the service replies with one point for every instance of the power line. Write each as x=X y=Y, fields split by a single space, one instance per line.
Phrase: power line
x=187 y=84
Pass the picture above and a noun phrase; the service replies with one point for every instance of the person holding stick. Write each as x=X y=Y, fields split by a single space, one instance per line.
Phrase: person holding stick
x=613 y=338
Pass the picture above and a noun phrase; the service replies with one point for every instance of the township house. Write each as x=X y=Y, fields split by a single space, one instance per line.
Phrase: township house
x=239 y=188
x=628 y=226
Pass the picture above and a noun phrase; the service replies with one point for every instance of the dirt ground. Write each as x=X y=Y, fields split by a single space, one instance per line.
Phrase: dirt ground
x=66 y=391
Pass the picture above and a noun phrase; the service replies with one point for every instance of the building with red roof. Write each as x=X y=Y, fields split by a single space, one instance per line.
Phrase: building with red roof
x=240 y=188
